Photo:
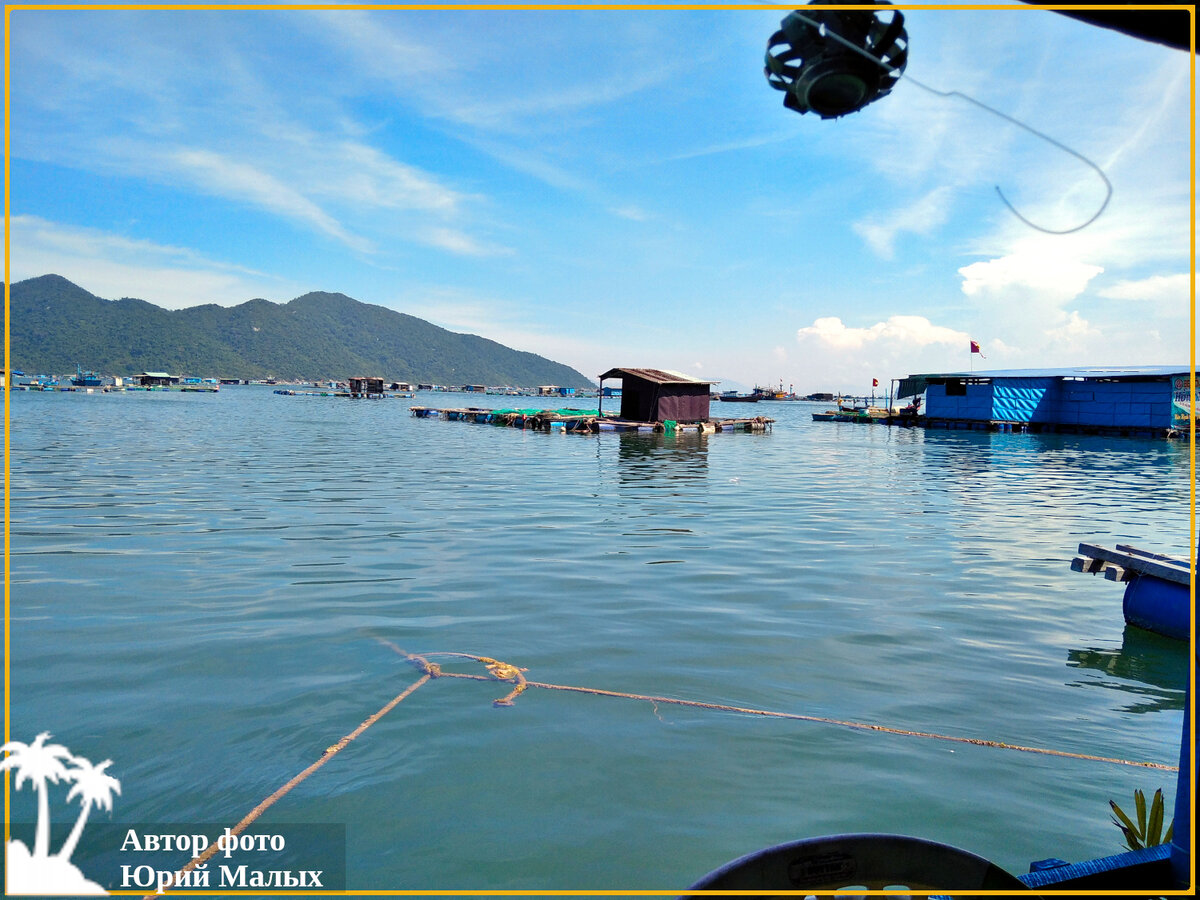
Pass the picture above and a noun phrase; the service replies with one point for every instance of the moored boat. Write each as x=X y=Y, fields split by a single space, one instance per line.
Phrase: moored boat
x=735 y=397
x=86 y=379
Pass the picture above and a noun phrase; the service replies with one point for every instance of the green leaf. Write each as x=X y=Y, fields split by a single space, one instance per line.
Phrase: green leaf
x=1148 y=831
x=1125 y=824
x=1154 y=829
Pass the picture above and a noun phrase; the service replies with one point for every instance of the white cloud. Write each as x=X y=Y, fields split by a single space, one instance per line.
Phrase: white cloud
x=1058 y=278
x=1167 y=293
x=631 y=212
x=459 y=243
x=1074 y=331
x=845 y=357
x=362 y=174
x=238 y=181
x=922 y=217
x=916 y=331
x=114 y=266
x=384 y=52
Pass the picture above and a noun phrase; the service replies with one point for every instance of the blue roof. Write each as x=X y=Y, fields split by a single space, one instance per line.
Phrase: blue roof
x=1071 y=372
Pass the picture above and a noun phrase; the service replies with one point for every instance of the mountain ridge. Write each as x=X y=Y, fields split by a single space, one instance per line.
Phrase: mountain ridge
x=57 y=325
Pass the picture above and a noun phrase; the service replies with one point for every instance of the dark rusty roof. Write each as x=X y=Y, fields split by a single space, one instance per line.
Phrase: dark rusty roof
x=657 y=376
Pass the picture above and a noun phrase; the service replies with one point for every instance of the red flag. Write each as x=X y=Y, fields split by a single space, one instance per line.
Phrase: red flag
x=874 y=382
x=975 y=349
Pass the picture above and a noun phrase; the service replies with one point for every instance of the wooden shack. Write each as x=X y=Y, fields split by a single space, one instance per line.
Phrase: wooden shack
x=658 y=395
x=366 y=387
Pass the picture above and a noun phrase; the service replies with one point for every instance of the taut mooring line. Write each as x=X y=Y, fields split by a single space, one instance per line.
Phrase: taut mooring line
x=518 y=678
x=330 y=753
x=514 y=675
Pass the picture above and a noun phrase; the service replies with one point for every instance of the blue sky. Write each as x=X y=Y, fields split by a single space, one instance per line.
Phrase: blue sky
x=617 y=188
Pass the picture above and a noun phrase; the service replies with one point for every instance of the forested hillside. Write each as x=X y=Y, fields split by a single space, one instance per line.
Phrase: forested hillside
x=57 y=325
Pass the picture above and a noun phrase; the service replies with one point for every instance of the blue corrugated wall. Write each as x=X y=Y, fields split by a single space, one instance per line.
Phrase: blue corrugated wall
x=1115 y=404
x=1025 y=399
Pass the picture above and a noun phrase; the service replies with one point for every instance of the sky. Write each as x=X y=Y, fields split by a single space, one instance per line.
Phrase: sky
x=620 y=188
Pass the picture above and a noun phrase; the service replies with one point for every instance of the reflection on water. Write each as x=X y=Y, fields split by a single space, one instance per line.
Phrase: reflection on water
x=1151 y=668
x=649 y=458
x=207 y=614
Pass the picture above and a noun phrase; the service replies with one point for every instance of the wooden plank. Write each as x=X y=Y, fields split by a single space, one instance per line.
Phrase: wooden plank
x=1117 y=573
x=1086 y=564
x=1166 y=568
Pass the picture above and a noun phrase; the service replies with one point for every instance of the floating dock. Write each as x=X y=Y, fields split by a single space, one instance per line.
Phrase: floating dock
x=114 y=389
x=585 y=421
x=1017 y=427
x=1157 y=586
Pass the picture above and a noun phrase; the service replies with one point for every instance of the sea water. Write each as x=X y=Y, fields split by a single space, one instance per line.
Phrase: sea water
x=208 y=589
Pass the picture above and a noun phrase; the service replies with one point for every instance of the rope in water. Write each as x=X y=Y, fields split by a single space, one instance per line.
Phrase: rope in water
x=330 y=753
x=507 y=673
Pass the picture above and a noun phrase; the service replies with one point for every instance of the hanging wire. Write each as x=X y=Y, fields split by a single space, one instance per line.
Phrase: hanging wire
x=830 y=33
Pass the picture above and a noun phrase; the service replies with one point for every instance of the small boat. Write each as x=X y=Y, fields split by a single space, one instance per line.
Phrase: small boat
x=86 y=379
x=195 y=384
x=848 y=411
x=1157 y=586
x=735 y=397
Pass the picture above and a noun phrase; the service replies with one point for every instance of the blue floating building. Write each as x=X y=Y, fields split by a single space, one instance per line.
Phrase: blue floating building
x=1133 y=400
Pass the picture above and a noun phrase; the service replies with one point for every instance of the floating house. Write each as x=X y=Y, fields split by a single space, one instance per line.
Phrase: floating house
x=657 y=395
x=1132 y=400
x=366 y=387
x=157 y=379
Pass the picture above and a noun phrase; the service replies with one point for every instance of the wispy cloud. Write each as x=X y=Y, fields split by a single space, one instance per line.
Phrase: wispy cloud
x=925 y=215
x=361 y=174
x=241 y=182
x=459 y=243
x=1168 y=295
x=283 y=146
x=113 y=266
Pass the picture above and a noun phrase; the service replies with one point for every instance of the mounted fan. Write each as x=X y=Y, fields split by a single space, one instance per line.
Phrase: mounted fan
x=835 y=62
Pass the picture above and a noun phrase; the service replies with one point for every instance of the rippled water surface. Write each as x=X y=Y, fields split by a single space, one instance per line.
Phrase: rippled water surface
x=205 y=588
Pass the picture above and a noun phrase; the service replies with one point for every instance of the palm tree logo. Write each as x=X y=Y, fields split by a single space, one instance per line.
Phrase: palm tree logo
x=42 y=764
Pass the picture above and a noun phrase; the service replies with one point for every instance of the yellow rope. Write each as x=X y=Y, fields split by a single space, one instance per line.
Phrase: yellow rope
x=522 y=683
x=506 y=672
x=330 y=753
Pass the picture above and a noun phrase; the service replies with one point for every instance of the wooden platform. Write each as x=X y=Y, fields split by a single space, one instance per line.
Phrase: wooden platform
x=585 y=421
x=1125 y=563
x=1158 y=588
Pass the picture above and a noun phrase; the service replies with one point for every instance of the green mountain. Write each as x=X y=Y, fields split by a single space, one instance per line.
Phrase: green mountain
x=57 y=325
